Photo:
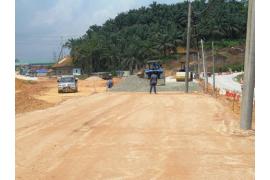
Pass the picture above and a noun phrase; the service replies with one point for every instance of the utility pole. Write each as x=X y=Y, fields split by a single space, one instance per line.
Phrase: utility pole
x=204 y=69
x=249 y=72
x=188 y=46
x=214 y=80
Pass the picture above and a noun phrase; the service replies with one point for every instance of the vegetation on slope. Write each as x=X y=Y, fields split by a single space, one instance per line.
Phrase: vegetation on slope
x=155 y=32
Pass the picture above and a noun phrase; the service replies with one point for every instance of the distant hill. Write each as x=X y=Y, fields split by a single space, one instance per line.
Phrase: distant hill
x=34 y=61
x=155 y=32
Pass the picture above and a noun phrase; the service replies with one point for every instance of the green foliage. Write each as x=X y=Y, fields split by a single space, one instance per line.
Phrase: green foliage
x=222 y=43
x=230 y=43
x=237 y=67
x=113 y=73
x=232 y=67
x=155 y=32
x=239 y=77
x=169 y=57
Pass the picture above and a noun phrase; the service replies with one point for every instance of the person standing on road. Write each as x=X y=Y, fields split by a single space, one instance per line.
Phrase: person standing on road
x=153 y=83
x=109 y=82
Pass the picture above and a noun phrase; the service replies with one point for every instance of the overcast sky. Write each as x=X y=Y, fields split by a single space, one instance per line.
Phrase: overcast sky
x=40 y=24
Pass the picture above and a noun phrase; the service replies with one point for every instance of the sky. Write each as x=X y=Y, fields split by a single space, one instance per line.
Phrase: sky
x=41 y=26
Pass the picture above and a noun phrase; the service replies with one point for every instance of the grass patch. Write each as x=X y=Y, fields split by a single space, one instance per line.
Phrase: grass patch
x=232 y=67
x=224 y=43
x=239 y=77
x=169 y=58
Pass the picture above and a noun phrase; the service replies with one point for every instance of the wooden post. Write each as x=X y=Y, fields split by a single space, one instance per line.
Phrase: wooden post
x=233 y=100
x=204 y=69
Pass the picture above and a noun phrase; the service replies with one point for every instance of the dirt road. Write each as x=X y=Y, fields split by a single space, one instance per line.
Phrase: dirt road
x=133 y=136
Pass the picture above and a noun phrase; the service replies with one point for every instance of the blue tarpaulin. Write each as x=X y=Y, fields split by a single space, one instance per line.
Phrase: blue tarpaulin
x=42 y=71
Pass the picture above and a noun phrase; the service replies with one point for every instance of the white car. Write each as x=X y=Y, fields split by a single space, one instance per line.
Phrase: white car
x=67 y=83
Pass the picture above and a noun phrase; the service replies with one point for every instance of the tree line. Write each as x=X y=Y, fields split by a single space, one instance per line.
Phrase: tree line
x=155 y=32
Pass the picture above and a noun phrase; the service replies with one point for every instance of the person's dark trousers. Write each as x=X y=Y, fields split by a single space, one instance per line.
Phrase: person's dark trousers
x=153 y=86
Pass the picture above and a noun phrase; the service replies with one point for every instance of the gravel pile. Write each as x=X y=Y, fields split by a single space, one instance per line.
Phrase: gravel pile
x=132 y=84
x=136 y=84
x=93 y=78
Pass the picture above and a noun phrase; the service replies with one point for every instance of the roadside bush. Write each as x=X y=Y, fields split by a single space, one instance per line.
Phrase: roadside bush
x=239 y=77
x=233 y=67
x=237 y=67
x=169 y=58
x=224 y=43
x=113 y=73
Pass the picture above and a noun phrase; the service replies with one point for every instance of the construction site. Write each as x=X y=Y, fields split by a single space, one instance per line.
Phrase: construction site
x=127 y=133
x=75 y=125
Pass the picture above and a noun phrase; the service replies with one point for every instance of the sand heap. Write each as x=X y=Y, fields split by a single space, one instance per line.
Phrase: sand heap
x=94 y=78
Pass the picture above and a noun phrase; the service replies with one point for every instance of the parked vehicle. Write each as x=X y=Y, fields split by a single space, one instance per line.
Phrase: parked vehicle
x=67 y=83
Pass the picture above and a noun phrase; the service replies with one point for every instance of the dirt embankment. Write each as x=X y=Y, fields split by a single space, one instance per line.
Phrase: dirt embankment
x=41 y=94
x=24 y=100
x=223 y=57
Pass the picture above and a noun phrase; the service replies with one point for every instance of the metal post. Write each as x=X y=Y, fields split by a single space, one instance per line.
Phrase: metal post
x=204 y=69
x=214 y=80
x=188 y=46
x=249 y=72
x=198 y=57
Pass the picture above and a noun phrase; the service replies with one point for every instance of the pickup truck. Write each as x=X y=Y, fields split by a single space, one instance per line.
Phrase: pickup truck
x=67 y=83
